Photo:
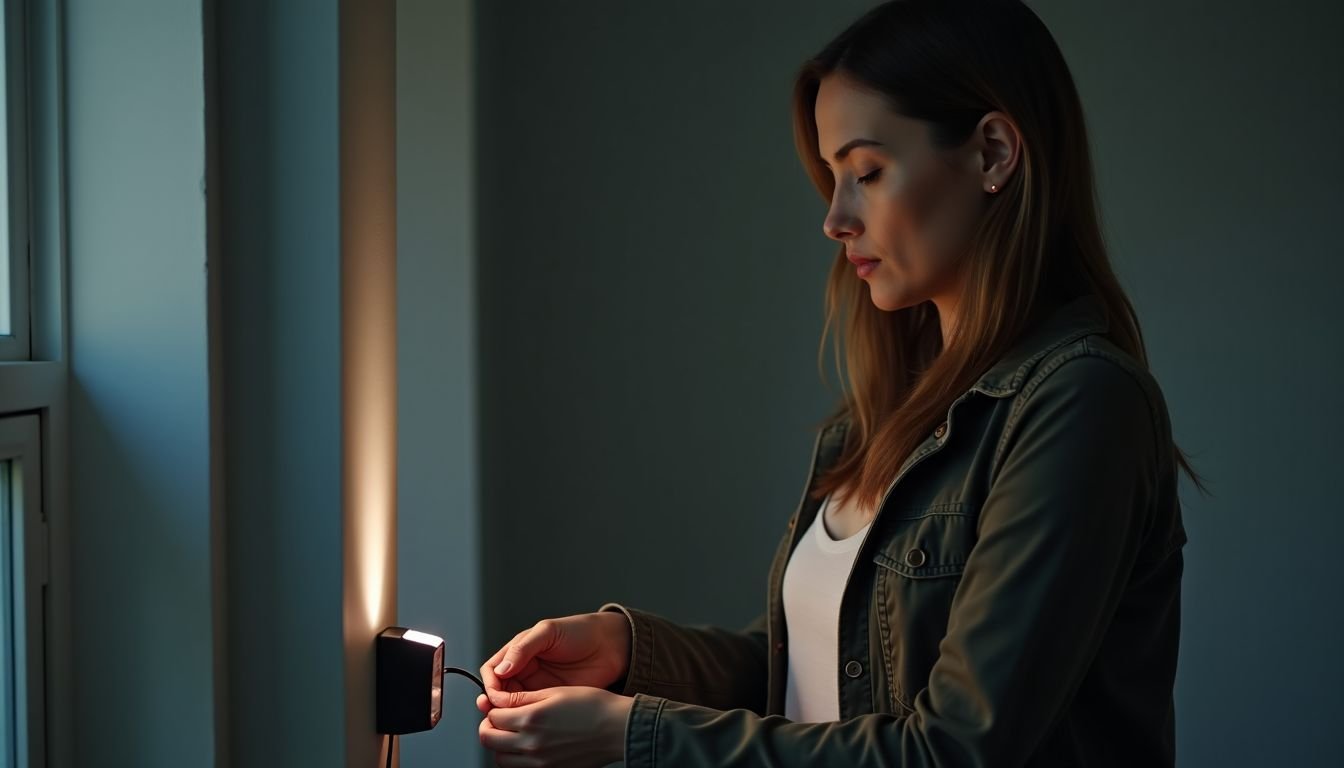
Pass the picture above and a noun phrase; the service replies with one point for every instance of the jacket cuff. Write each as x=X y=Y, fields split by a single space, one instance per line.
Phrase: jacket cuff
x=641 y=730
x=641 y=650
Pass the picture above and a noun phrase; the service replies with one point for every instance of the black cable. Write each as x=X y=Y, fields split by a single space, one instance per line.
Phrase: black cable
x=391 y=745
x=460 y=671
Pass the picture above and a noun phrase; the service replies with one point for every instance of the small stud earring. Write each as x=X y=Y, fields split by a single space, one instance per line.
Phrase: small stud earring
x=993 y=188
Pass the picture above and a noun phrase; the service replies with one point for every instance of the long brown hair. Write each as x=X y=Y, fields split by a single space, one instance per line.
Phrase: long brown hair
x=948 y=62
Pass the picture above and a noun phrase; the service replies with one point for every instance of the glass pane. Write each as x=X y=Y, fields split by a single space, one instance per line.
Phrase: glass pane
x=4 y=184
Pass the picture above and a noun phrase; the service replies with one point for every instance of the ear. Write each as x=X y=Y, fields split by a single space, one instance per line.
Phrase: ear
x=998 y=145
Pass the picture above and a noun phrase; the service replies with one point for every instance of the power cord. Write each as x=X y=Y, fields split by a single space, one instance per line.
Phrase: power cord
x=461 y=671
x=391 y=745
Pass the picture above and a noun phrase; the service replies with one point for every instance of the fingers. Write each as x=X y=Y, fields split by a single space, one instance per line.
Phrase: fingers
x=488 y=675
x=497 y=698
x=517 y=656
x=513 y=716
x=520 y=652
x=502 y=700
x=498 y=740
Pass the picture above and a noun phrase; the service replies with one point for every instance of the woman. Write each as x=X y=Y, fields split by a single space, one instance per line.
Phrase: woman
x=1017 y=601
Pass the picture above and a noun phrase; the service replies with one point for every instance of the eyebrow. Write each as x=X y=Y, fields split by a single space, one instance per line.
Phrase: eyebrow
x=851 y=144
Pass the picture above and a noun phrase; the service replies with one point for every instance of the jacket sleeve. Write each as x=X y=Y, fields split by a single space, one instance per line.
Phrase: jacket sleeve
x=1059 y=533
x=701 y=664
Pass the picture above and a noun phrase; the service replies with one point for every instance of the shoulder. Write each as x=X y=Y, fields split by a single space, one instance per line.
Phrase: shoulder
x=1100 y=391
x=1093 y=368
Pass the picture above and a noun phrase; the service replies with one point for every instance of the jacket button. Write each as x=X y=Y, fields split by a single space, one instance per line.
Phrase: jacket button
x=853 y=669
x=779 y=647
x=915 y=557
x=940 y=431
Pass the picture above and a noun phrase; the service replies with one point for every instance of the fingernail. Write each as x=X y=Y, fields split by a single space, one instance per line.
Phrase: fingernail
x=503 y=669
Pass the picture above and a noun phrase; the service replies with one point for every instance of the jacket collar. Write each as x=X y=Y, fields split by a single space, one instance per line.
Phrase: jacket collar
x=1068 y=322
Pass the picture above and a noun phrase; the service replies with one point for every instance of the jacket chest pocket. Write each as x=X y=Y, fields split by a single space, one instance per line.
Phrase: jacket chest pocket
x=920 y=561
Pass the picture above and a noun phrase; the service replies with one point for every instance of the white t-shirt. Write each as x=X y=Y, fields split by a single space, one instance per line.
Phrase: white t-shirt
x=813 y=581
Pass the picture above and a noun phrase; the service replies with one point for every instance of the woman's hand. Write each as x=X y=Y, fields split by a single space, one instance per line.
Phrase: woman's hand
x=564 y=727
x=589 y=649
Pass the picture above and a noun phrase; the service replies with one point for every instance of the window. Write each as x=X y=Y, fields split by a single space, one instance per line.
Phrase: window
x=6 y=301
x=22 y=577
x=14 y=251
x=35 y=710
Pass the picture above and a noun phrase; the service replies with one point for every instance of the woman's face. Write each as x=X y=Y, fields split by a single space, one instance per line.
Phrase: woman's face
x=899 y=201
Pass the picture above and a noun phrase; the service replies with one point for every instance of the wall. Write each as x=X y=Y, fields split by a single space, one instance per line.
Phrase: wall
x=1214 y=131
x=232 y=415
x=279 y=144
x=139 y=479
x=651 y=273
x=437 y=517
x=307 y=223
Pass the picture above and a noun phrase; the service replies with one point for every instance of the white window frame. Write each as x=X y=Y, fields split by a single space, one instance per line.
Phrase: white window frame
x=24 y=533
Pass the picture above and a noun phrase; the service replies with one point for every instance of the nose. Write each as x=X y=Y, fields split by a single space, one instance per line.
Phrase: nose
x=840 y=224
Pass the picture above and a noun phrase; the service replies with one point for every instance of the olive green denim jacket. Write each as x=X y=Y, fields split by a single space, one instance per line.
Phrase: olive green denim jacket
x=1016 y=601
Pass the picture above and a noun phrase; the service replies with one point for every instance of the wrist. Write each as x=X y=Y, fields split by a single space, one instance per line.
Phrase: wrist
x=622 y=634
x=617 y=720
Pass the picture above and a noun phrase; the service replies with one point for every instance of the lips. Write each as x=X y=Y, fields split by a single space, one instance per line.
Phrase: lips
x=863 y=265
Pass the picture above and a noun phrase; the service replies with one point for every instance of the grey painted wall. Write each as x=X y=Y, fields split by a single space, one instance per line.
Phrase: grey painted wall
x=278 y=144
x=149 y=339
x=139 y=477
x=1215 y=127
x=651 y=267
x=437 y=515
x=307 y=224
x=650 y=272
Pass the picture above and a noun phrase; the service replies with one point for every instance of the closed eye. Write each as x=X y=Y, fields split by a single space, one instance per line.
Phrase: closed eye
x=870 y=178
